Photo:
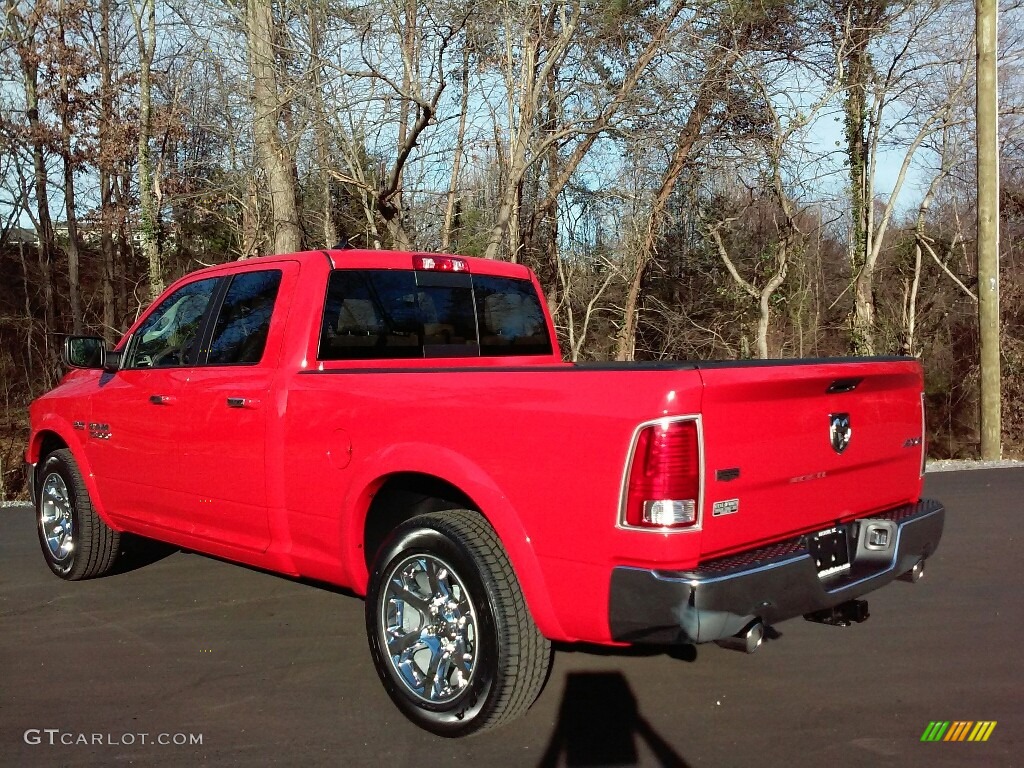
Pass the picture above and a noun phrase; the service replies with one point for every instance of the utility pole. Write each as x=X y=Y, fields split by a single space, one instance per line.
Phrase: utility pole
x=988 y=228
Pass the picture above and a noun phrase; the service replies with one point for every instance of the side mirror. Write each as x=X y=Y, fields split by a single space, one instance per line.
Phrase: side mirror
x=90 y=352
x=111 y=361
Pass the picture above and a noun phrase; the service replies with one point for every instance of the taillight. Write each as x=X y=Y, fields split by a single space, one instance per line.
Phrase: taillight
x=663 y=485
x=439 y=263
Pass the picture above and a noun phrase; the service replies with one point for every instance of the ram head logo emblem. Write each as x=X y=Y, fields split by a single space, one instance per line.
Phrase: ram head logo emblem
x=839 y=431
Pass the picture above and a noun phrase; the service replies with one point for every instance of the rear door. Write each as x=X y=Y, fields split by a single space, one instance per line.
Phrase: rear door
x=227 y=401
x=794 y=447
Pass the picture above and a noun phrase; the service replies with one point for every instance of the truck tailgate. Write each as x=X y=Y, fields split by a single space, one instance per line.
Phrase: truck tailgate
x=775 y=465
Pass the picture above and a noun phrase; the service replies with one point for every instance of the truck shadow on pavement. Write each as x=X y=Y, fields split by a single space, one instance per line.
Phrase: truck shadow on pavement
x=138 y=552
x=599 y=724
x=640 y=650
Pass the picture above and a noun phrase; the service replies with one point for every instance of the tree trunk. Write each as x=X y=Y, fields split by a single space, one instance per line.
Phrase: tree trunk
x=521 y=125
x=861 y=22
x=250 y=221
x=74 y=253
x=44 y=224
x=320 y=133
x=73 y=250
x=452 y=198
x=764 y=300
x=267 y=101
x=105 y=181
x=863 y=338
x=149 y=211
x=29 y=364
x=124 y=256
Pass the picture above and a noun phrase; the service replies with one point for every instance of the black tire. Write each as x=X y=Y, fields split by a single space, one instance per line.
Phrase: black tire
x=76 y=543
x=508 y=658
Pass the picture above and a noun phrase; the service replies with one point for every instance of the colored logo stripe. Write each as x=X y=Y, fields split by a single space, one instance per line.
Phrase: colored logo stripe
x=958 y=730
x=982 y=731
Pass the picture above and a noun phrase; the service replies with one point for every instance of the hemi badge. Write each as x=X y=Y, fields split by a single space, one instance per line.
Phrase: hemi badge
x=727 y=507
x=725 y=475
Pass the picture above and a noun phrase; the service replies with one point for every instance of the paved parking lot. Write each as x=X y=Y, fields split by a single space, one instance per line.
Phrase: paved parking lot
x=266 y=671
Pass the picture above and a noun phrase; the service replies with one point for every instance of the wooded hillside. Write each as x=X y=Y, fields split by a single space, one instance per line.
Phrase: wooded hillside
x=689 y=178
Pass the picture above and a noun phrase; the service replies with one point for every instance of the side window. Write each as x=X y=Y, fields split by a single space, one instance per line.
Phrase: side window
x=389 y=314
x=169 y=335
x=511 y=318
x=244 y=320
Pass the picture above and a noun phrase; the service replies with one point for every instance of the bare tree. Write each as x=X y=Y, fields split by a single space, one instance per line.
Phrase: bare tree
x=71 y=67
x=538 y=42
x=105 y=167
x=24 y=28
x=144 y=17
x=922 y=46
x=262 y=30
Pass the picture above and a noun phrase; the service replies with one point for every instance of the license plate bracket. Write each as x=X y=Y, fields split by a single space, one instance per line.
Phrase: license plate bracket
x=830 y=550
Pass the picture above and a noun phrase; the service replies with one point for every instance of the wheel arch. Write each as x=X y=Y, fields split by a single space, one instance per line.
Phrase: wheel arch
x=433 y=479
x=54 y=434
x=45 y=442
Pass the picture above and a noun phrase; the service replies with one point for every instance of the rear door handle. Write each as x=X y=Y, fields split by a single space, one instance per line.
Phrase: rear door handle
x=242 y=402
x=161 y=399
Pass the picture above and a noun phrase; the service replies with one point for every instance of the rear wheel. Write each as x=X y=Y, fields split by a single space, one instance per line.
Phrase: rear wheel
x=76 y=543
x=449 y=630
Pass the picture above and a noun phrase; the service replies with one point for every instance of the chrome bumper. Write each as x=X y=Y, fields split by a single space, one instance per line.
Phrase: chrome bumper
x=719 y=598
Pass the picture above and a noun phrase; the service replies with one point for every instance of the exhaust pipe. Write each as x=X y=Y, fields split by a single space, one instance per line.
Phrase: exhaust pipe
x=746 y=640
x=915 y=574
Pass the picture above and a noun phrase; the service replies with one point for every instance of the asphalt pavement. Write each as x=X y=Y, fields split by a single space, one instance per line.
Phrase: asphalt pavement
x=188 y=659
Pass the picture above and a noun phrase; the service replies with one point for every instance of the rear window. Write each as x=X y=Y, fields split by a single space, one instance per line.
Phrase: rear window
x=394 y=314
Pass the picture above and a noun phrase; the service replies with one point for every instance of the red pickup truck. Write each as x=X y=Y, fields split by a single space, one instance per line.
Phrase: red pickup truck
x=403 y=425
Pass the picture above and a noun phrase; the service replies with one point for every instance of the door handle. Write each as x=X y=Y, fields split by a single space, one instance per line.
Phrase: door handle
x=161 y=399
x=243 y=402
x=843 y=385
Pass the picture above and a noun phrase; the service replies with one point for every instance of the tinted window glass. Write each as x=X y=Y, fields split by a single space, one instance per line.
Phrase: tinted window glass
x=387 y=314
x=169 y=335
x=381 y=314
x=511 y=318
x=244 y=320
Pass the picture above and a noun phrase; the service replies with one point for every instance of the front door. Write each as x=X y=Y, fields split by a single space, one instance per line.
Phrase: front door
x=136 y=426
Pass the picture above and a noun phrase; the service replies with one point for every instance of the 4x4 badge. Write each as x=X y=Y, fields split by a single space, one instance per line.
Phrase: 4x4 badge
x=839 y=431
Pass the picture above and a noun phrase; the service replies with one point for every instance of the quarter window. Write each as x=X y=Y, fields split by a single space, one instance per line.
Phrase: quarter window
x=511 y=319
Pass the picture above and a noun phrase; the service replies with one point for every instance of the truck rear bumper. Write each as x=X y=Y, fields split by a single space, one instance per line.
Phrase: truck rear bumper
x=720 y=598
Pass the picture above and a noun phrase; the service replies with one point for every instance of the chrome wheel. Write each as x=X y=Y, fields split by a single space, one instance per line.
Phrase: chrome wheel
x=56 y=517
x=429 y=628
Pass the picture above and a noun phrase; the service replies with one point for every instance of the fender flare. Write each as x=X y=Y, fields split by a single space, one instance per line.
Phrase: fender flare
x=63 y=429
x=464 y=474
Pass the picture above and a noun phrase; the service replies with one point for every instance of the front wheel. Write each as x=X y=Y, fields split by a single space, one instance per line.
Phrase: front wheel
x=76 y=543
x=449 y=630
